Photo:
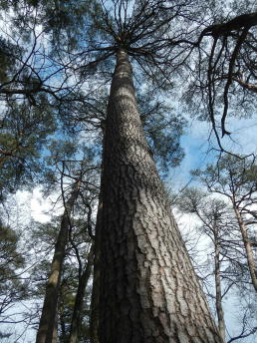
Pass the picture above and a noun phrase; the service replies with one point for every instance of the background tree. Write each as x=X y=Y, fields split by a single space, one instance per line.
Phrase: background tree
x=224 y=271
x=235 y=178
x=76 y=181
x=72 y=320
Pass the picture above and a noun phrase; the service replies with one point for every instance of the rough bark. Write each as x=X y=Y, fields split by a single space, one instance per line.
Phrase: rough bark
x=78 y=305
x=46 y=332
x=248 y=248
x=149 y=291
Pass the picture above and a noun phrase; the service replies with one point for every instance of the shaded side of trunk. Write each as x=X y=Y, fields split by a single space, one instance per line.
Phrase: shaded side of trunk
x=47 y=328
x=248 y=248
x=78 y=305
x=219 y=308
x=94 y=319
x=149 y=291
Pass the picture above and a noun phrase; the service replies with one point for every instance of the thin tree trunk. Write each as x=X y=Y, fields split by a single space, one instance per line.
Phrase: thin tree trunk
x=78 y=305
x=219 y=308
x=46 y=331
x=94 y=319
x=248 y=248
x=149 y=290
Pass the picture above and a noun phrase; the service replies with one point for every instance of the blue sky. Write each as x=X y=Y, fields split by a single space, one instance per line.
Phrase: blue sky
x=198 y=147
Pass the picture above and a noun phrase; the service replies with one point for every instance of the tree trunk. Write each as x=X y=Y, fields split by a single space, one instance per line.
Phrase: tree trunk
x=248 y=247
x=219 y=308
x=46 y=331
x=149 y=290
x=78 y=305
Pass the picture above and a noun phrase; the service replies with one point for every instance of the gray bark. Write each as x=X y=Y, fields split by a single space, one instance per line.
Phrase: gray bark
x=149 y=291
x=47 y=326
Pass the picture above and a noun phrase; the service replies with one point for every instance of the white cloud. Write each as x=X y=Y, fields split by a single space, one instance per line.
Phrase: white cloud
x=40 y=207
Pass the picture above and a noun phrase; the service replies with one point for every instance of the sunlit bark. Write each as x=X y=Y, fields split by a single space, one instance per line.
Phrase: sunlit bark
x=148 y=289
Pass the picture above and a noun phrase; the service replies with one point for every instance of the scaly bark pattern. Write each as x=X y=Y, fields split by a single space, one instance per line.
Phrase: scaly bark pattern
x=149 y=291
